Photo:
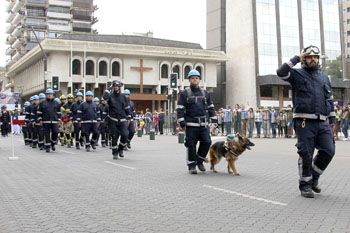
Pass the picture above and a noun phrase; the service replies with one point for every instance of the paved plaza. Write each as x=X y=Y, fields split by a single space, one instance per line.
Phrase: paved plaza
x=150 y=190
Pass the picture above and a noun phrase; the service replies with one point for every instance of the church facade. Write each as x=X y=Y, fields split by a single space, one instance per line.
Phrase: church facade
x=90 y=62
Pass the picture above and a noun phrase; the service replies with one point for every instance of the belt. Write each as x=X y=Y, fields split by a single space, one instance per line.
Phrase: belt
x=50 y=122
x=89 y=121
x=117 y=120
x=310 y=116
x=197 y=124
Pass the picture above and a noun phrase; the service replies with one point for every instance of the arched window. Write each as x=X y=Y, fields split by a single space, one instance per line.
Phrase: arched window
x=115 y=69
x=199 y=69
x=76 y=69
x=102 y=68
x=165 y=71
x=187 y=70
x=176 y=69
x=90 y=68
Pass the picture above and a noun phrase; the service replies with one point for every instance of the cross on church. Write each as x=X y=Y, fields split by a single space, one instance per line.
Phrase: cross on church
x=141 y=69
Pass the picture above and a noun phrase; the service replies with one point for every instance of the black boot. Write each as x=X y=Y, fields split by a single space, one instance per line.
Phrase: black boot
x=128 y=145
x=77 y=146
x=88 y=149
x=315 y=187
x=201 y=167
x=192 y=170
x=121 y=153
x=48 y=149
x=115 y=154
x=307 y=193
x=53 y=148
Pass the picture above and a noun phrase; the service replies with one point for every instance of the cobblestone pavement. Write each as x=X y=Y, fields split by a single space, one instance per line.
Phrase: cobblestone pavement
x=150 y=191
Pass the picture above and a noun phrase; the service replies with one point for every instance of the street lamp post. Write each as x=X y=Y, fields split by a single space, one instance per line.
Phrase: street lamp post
x=45 y=58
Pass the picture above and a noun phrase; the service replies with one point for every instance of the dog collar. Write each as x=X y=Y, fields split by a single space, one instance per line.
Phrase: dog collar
x=229 y=150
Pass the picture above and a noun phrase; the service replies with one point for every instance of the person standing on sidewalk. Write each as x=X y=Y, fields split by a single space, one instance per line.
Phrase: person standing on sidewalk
x=345 y=118
x=266 y=122
x=244 y=120
x=250 y=122
x=258 y=122
x=227 y=119
x=273 y=121
x=314 y=117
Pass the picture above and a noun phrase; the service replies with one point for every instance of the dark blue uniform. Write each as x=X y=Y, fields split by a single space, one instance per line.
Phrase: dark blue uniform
x=119 y=114
x=131 y=127
x=34 y=124
x=49 y=113
x=313 y=112
x=89 y=115
x=25 y=126
x=28 y=139
x=103 y=128
x=77 y=130
x=193 y=107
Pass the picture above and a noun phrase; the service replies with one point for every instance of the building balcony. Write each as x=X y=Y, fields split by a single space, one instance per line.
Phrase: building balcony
x=17 y=32
x=10 y=17
x=18 y=43
x=10 y=29
x=10 y=51
x=17 y=56
x=41 y=3
x=9 y=62
x=9 y=6
x=10 y=39
x=68 y=4
x=19 y=16
x=54 y=27
x=17 y=6
x=57 y=15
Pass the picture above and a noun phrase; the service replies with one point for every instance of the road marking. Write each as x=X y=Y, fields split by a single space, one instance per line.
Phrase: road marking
x=67 y=152
x=116 y=164
x=245 y=195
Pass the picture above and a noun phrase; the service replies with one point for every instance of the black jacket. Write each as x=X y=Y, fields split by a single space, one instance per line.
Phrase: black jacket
x=118 y=105
x=49 y=111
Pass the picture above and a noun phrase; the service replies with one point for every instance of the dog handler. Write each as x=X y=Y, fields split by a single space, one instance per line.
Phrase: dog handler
x=313 y=116
x=192 y=107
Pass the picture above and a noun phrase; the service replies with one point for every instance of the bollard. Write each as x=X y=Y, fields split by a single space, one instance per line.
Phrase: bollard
x=139 y=133
x=181 y=137
x=152 y=134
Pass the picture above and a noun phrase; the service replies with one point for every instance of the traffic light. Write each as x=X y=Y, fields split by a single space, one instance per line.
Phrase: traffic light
x=55 y=83
x=173 y=80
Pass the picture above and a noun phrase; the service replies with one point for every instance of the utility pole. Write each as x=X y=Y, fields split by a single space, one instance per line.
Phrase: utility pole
x=45 y=58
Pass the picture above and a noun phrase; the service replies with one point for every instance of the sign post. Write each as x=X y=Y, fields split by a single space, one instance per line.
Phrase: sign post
x=13 y=157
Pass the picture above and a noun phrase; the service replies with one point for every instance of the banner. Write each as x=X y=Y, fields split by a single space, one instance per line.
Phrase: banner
x=11 y=99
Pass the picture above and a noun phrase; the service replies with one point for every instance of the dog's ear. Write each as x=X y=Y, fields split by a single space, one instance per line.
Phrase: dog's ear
x=239 y=136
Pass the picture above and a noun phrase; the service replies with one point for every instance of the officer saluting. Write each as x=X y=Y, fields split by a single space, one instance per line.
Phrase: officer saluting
x=313 y=105
x=119 y=117
x=192 y=108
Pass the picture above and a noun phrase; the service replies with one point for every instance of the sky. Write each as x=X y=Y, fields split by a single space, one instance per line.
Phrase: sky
x=181 y=20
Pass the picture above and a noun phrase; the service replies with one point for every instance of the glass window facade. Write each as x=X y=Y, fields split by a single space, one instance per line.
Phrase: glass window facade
x=289 y=29
x=332 y=38
x=267 y=36
x=311 y=23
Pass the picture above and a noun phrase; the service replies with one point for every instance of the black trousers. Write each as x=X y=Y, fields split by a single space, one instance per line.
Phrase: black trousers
x=131 y=130
x=193 y=135
x=77 y=134
x=25 y=133
x=51 y=134
x=118 y=129
x=35 y=134
x=5 y=128
x=87 y=129
x=104 y=133
x=313 y=134
x=161 y=127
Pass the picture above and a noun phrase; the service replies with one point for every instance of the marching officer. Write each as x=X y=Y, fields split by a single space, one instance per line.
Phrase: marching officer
x=49 y=115
x=27 y=113
x=131 y=128
x=42 y=97
x=313 y=116
x=103 y=127
x=194 y=105
x=34 y=121
x=118 y=117
x=67 y=124
x=89 y=120
x=74 y=117
x=25 y=126
x=63 y=100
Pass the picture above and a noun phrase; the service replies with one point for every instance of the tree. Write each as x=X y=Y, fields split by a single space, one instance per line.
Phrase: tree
x=334 y=68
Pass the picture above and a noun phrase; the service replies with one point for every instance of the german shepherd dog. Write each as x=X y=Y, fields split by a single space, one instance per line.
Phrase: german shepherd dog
x=230 y=150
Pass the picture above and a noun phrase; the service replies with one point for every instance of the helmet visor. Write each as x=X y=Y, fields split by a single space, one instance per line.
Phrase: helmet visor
x=312 y=50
